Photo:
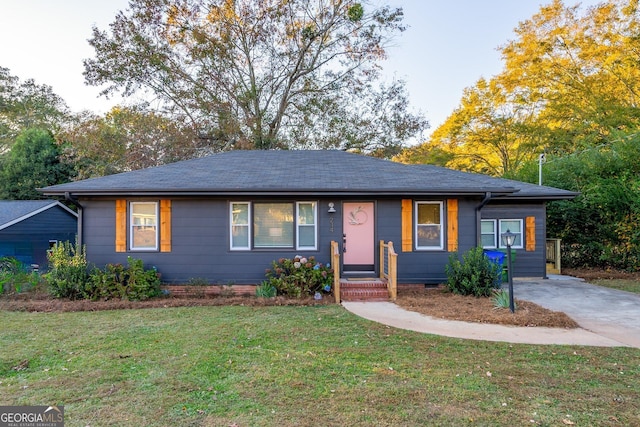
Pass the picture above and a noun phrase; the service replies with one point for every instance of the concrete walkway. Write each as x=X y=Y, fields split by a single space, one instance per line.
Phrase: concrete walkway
x=608 y=318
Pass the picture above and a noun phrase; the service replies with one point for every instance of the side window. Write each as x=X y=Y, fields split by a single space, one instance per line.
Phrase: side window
x=488 y=233
x=307 y=229
x=144 y=226
x=428 y=227
x=514 y=226
x=240 y=229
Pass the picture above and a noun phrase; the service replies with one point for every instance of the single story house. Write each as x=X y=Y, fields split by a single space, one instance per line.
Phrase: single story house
x=224 y=218
x=28 y=228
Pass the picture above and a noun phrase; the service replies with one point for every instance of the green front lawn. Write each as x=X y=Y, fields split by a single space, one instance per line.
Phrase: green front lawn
x=628 y=285
x=299 y=366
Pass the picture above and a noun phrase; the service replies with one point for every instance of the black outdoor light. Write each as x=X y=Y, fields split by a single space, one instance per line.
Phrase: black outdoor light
x=508 y=239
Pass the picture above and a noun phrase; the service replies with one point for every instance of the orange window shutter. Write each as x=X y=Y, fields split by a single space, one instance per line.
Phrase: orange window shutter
x=531 y=233
x=407 y=225
x=452 y=225
x=121 y=225
x=165 y=225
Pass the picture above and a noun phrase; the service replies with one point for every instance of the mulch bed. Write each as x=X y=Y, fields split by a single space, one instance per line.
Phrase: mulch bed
x=46 y=304
x=437 y=302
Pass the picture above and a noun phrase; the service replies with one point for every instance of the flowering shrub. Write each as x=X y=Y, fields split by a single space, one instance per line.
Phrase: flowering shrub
x=299 y=276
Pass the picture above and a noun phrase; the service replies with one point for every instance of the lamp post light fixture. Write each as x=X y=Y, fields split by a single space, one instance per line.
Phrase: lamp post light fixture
x=508 y=239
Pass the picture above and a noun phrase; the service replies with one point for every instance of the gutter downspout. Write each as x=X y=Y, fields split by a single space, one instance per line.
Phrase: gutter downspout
x=487 y=198
x=69 y=198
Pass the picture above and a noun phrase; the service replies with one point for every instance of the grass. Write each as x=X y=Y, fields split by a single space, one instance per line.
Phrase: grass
x=621 y=284
x=299 y=366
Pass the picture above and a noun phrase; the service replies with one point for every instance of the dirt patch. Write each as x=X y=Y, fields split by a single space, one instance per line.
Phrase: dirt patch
x=439 y=302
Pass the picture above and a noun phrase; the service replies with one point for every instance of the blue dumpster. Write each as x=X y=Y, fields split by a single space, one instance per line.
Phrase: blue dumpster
x=497 y=257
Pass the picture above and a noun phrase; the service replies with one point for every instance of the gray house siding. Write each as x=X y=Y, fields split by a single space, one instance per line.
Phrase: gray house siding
x=424 y=266
x=28 y=240
x=200 y=240
x=526 y=263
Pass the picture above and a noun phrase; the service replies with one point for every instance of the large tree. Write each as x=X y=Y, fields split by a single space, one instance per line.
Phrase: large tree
x=570 y=79
x=26 y=104
x=33 y=162
x=127 y=138
x=262 y=74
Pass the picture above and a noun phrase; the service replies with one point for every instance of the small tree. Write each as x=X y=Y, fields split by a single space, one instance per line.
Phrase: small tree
x=33 y=162
x=476 y=275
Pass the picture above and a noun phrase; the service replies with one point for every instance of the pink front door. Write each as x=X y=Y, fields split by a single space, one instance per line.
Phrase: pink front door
x=358 y=227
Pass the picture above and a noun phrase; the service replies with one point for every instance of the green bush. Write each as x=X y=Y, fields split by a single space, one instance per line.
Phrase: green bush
x=266 y=290
x=476 y=275
x=67 y=274
x=14 y=276
x=299 y=276
x=132 y=283
x=68 y=277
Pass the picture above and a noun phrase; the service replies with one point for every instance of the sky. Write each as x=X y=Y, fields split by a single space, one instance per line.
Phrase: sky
x=448 y=46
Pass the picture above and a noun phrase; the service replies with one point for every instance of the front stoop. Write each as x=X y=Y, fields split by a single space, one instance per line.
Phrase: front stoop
x=364 y=290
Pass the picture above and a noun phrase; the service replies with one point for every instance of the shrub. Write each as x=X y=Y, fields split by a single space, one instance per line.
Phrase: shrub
x=132 y=283
x=299 y=276
x=67 y=274
x=476 y=275
x=14 y=276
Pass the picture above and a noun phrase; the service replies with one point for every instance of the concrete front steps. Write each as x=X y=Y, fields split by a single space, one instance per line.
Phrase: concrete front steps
x=366 y=289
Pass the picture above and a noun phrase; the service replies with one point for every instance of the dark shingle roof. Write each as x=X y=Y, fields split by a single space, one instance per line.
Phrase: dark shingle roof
x=299 y=172
x=14 y=211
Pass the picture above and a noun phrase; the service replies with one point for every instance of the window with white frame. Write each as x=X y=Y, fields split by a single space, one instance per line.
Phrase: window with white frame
x=491 y=237
x=488 y=233
x=240 y=215
x=428 y=226
x=514 y=226
x=143 y=222
x=264 y=225
x=307 y=219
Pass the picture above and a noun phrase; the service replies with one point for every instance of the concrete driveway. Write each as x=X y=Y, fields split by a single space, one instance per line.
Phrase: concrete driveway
x=607 y=312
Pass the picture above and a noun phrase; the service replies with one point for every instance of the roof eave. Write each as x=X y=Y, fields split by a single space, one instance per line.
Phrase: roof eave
x=283 y=192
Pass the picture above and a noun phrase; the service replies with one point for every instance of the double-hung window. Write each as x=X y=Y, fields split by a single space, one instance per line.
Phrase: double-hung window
x=488 y=232
x=240 y=227
x=428 y=226
x=143 y=221
x=492 y=230
x=514 y=226
x=307 y=225
x=272 y=225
